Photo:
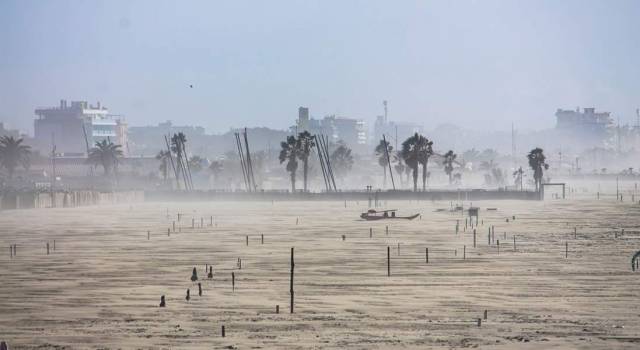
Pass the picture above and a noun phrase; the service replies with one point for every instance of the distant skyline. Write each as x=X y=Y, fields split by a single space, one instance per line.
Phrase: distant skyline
x=477 y=64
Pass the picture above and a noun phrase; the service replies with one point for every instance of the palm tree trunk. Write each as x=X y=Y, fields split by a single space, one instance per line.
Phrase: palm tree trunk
x=415 y=178
x=384 y=177
x=306 y=171
x=424 y=176
x=293 y=182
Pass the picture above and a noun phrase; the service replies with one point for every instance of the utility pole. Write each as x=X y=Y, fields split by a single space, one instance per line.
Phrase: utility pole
x=386 y=151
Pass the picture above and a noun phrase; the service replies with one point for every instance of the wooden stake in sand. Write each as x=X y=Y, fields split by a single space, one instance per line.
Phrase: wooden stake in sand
x=223 y=332
x=370 y=232
x=291 y=283
x=199 y=289
x=168 y=232
x=387 y=229
x=233 y=281
x=474 y=238
x=485 y=314
x=247 y=240
x=464 y=252
x=188 y=297
x=398 y=249
x=566 y=249
x=277 y=309
x=388 y=261
x=194 y=275
x=498 y=244
x=262 y=238
x=54 y=242
x=575 y=232
x=426 y=255
x=479 y=322
x=210 y=275
x=162 y=303
x=514 y=243
x=174 y=226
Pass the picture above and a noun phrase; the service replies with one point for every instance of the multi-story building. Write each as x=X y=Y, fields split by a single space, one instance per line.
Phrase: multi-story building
x=588 y=127
x=77 y=127
x=353 y=132
x=394 y=132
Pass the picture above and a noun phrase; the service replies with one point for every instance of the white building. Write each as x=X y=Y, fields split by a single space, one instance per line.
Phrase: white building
x=77 y=127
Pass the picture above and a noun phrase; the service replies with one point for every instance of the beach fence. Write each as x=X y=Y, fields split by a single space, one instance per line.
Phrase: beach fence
x=66 y=199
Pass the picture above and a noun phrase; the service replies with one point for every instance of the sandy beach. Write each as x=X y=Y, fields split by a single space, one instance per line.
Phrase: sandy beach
x=101 y=286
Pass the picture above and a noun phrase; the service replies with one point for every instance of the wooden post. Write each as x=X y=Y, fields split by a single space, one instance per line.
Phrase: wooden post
x=370 y=232
x=566 y=249
x=223 y=331
x=575 y=232
x=291 y=282
x=54 y=243
x=169 y=232
x=479 y=322
x=426 y=255
x=514 y=243
x=388 y=261
x=498 y=244
x=233 y=281
x=277 y=309
x=174 y=226
x=262 y=238
x=247 y=240
x=47 y=248
x=485 y=314
x=398 y=249
x=387 y=229
x=474 y=238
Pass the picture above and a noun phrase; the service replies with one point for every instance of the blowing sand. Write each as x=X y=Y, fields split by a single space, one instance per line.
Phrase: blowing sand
x=101 y=287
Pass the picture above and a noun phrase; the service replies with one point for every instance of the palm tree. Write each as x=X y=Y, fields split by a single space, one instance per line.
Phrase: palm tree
x=537 y=163
x=197 y=163
x=341 y=160
x=518 y=178
x=289 y=153
x=216 y=168
x=381 y=152
x=426 y=151
x=165 y=161
x=411 y=152
x=449 y=157
x=305 y=144
x=105 y=153
x=13 y=153
x=400 y=168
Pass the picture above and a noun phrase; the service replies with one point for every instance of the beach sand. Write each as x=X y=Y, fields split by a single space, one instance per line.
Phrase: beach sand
x=101 y=287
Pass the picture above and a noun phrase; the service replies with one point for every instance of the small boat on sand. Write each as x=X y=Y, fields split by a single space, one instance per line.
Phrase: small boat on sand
x=372 y=214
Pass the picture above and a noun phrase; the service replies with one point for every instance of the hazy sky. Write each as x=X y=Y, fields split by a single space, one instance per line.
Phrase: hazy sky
x=252 y=63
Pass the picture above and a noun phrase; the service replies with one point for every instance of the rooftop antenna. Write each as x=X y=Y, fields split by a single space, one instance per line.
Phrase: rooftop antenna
x=513 y=144
x=384 y=103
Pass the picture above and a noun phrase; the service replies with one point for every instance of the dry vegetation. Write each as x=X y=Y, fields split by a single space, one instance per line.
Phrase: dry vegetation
x=101 y=287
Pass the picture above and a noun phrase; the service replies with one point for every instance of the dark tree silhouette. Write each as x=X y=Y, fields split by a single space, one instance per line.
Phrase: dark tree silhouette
x=304 y=145
x=289 y=153
x=382 y=158
x=449 y=157
x=517 y=178
x=341 y=160
x=165 y=162
x=106 y=154
x=13 y=153
x=414 y=153
x=216 y=168
x=537 y=163
x=400 y=167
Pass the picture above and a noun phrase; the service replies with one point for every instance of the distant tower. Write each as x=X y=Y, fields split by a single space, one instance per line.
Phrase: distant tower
x=303 y=119
x=384 y=103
